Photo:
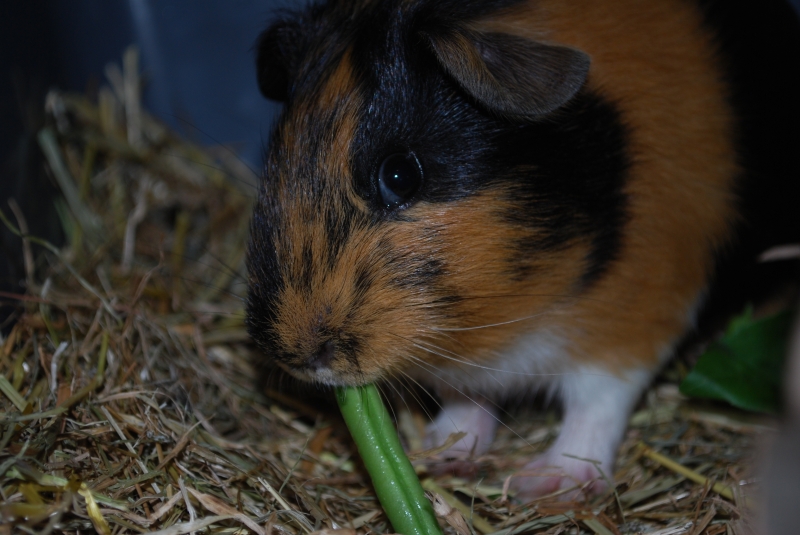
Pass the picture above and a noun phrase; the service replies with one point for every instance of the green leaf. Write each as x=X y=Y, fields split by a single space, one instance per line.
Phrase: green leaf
x=744 y=367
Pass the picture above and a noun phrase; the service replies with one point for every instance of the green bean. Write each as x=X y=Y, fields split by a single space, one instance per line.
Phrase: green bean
x=393 y=477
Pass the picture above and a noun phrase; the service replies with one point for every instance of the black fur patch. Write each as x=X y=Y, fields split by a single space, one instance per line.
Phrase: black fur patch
x=265 y=276
x=567 y=178
x=338 y=227
x=565 y=174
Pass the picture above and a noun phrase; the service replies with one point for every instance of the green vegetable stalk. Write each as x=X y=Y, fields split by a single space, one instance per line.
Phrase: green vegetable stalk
x=393 y=477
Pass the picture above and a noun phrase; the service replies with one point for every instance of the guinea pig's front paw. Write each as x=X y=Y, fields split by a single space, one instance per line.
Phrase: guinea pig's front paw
x=471 y=416
x=553 y=472
x=596 y=408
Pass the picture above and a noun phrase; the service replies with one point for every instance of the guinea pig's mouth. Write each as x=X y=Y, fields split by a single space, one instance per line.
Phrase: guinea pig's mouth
x=324 y=376
x=324 y=366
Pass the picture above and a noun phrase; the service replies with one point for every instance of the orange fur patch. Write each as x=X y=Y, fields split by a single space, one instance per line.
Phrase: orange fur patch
x=658 y=64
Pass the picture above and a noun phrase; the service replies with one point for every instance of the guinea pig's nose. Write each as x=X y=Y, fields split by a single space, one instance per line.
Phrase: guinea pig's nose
x=323 y=357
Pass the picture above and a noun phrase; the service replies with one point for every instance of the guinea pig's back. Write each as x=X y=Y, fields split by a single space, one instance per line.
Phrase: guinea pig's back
x=708 y=94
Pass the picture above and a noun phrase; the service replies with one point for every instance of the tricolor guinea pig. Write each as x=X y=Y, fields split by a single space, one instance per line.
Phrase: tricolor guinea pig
x=493 y=197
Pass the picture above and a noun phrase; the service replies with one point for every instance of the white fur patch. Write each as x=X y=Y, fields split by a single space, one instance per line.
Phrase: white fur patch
x=596 y=409
x=534 y=361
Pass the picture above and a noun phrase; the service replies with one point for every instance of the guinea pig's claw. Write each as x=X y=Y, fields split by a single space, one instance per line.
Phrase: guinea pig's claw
x=567 y=479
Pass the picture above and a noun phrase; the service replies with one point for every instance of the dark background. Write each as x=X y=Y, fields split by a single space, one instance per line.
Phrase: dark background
x=197 y=60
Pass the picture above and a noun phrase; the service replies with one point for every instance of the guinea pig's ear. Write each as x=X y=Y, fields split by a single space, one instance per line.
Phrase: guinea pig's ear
x=511 y=75
x=276 y=53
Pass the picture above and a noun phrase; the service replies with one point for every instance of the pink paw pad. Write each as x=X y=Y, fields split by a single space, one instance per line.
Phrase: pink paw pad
x=546 y=476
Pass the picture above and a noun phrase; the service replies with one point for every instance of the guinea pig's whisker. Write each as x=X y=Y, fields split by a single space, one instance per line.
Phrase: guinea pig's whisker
x=226 y=267
x=479 y=405
x=568 y=297
x=217 y=312
x=432 y=333
x=439 y=372
x=419 y=400
x=400 y=379
x=386 y=398
x=206 y=284
x=434 y=349
x=488 y=401
x=455 y=357
x=488 y=325
x=218 y=143
x=405 y=378
x=250 y=185
x=441 y=352
x=237 y=276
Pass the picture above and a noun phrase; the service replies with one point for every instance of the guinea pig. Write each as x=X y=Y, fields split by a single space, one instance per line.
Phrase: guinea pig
x=490 y=197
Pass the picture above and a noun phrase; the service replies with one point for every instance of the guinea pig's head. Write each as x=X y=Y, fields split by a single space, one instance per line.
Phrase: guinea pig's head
x=404 y=201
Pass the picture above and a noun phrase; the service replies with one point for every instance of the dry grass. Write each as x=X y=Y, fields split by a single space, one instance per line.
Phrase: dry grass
x=128 y=395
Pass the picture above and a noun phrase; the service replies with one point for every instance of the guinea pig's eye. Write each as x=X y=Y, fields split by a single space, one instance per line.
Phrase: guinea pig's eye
x=399 y=178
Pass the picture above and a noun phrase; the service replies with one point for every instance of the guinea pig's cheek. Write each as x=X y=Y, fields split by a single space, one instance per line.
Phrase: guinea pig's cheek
x=472 y=241
x=491 y=279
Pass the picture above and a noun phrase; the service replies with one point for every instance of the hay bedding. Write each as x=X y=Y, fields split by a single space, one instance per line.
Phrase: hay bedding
x=129 y=403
